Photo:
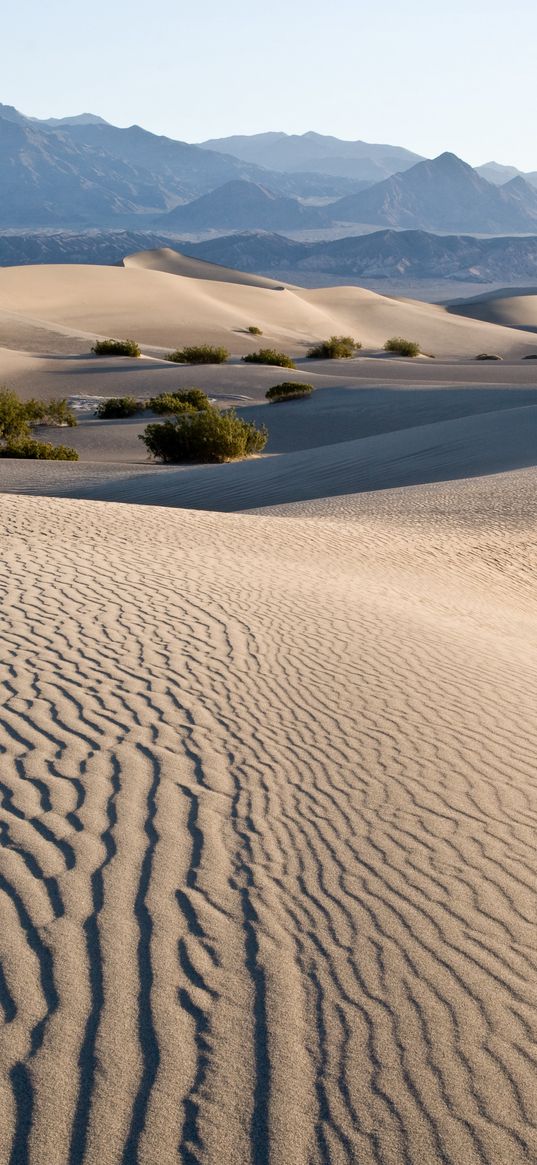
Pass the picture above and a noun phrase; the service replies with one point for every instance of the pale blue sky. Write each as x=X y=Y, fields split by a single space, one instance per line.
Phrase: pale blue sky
x=431 y=75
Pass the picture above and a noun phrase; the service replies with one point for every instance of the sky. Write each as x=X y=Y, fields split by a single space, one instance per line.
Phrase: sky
x=432 y=76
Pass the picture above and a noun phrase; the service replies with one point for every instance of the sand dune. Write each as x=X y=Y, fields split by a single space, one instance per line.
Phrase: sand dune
x=162 y=310
x=174 y=263
x=267 y=838
x=510 y=307
x=267 y=790
x=485 y=443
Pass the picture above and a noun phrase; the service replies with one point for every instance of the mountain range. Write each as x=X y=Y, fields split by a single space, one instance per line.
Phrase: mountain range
x=388 y=254
x=81 y=172
x=383 y=255
x=295 y=153
x=444 y=194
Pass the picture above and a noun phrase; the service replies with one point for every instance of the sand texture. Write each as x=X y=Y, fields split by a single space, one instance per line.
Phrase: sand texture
x=268 y=819
x=268 y=794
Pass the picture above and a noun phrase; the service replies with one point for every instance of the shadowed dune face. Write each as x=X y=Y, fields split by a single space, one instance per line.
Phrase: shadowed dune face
x=267 y=837
x=510 y=308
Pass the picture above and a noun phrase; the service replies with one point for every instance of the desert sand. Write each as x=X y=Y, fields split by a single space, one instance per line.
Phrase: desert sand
x=267 y=796
x=162 y=309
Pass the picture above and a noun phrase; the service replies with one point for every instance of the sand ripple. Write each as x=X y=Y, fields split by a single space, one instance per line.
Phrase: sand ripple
x=267 y=839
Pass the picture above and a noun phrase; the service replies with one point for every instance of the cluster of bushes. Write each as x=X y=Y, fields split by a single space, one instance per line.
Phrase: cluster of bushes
x=402 y=347
x=177 y=402
x=335 y=348
x=33 y=450
x=269 y=356
x=203 y=434
x=17 y=420
x=117 y=407
x=116 y=348
x=198 y=354
x=255 y=331
x=288 y=390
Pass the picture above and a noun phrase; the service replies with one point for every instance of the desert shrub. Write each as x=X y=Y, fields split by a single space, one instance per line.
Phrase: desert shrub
x=180 y=401
x=530 y=356
x=50 y=412
x=118 y=406
x=402 y=347
x=14 y=422
x=288 y=390
x=255 y=331
x=116 y=348
x=17 y=417
x=269 y=356
x=33 y=450
x=206 y=435
x=198 y=354
x=488 y=356
x=336 y=348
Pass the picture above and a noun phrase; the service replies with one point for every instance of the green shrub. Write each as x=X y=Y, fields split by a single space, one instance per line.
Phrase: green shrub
x=336 y=348
x=254 y=331
x=490 y=356
x=288 y=390
x=116 y=348
x=118 y=406
x=14 y=422
x=198 y=354
x=38 y=451
x=206 y=435
x=178 y=402
x=50 y=412
x=402 y=347
x=17 y=417
x=269 y=356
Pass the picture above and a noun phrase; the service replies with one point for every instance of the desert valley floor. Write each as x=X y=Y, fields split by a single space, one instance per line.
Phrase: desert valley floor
x=268 y=791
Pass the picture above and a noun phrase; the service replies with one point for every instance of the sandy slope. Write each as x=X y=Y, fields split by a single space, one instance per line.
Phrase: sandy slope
x=163 y=310
x=488 y=443
x=267 y=837
x=164 y=259
x=509 y=307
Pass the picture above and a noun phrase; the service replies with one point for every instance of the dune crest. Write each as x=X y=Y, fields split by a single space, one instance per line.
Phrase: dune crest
x=162 y=308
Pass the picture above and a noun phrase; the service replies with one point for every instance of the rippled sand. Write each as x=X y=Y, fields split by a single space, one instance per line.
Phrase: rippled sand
x=267 y=826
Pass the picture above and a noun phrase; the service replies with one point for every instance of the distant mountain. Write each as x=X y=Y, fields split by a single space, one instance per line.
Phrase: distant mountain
x=86 y=172
x=384 y=255
x=499 y=175
x=391 y=255
x=243 y=205
x=189 y=171
x=362 y=161
x=52 y=246
x=46 y=178
x=444 y=194
x=77 y=119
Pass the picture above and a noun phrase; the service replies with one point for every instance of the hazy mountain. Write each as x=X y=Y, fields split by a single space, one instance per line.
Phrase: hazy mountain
x=188 y=171
x=391 y=255
x=242 y=205
x=101 y=247
x=46 y=178
x=444 y=194
x=362 y=161
x=499 y=175
x=85 y=171
x=385 y=255
x=77 y=119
